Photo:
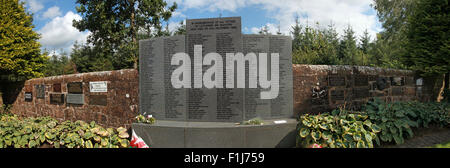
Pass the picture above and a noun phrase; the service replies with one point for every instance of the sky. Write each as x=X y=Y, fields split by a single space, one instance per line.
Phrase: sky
x=53 y=18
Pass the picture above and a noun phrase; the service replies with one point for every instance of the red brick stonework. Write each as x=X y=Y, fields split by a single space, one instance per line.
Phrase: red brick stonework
x=119 y=110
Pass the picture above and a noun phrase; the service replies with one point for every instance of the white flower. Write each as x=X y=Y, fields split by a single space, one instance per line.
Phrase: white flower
x=149 y=116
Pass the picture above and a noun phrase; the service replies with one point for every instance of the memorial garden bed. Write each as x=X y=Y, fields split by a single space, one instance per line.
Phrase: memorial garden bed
x=378 y=124
x=47 y=132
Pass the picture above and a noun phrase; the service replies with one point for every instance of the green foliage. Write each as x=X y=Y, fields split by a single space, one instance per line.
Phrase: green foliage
x=59 y=65
x=393 y=119
x=115 y=27
x=20 y=53
x=429 y=113
x=393 y=16
x=337 y=131
x=396 y=119
x=147 y=120
x=428 y=37
x=314 y=46
x=34 y=132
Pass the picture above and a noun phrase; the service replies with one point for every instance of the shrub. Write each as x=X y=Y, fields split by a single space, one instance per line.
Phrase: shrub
x=393 y=119
x=337 y=131
x=34 y=132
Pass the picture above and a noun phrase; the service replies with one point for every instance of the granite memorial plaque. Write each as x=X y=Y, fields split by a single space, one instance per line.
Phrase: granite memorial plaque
x=57 y=87
x=158 y=97
x=28 y=96
x=98 y=86
x=361 y=80
x=175 y=99
x=101 y=100
x=254 y=105
x=151 y=75
x=40 y=91
x=56 y=98
x=219 y=35
x=334 y=80
x=282 y=106
x=75 y=98
x=75 y=87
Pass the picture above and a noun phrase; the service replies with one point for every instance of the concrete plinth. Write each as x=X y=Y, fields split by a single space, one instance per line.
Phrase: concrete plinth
x=180 y=134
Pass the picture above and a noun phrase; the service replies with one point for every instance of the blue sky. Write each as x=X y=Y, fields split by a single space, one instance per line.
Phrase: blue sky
x=53 y=18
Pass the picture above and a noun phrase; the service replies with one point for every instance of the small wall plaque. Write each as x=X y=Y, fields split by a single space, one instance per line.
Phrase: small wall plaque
x=75 y=98
x=100 y=86
x=75 y=87
x=57 y=87
x=56 y=98
x=40 y=91
x=98 y=100
x=28 y=96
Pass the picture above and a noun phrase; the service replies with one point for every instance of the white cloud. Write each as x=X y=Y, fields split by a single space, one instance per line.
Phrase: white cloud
x=34 y=5
x=340 y=12
x=59 y=33
x=52 y=12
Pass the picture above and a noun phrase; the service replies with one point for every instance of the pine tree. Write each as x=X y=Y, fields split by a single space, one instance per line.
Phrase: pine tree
x=347 y=47
x=429 y=38
x=20 y=54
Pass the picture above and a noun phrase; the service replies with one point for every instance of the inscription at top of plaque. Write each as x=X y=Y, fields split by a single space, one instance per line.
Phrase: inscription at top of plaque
x=57 y=87
x=334 y=80
x=75 y=87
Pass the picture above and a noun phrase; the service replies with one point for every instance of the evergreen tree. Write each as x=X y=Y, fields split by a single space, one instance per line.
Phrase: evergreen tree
x=347 y=47
x=20 y=54
x=428 y=37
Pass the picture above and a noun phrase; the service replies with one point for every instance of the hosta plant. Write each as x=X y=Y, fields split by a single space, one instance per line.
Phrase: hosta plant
x=34 y=132
x=337 y=131
x=394 y=119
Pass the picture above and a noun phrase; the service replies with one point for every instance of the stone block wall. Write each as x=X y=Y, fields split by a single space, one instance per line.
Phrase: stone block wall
x=321 y=88
x=114 y=108
x=317 y=88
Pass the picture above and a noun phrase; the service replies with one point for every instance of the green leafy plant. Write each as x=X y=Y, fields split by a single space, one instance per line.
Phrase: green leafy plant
x=337 y=131
x=393 y=119
x=34 y=132
x=143 y=119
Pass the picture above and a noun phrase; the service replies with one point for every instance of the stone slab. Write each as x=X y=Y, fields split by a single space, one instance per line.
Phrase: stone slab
x=75 y=87
x=56 y=98
x=101 y=100
x=75 y=98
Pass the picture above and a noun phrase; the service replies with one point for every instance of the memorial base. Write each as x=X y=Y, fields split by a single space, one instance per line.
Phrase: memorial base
x=180 y=134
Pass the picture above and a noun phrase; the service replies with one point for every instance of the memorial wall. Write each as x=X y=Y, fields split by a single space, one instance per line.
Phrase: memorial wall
x=110 y=98
x=219 y=35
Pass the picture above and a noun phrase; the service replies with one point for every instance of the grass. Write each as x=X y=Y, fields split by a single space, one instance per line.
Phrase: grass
x=442 y=145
